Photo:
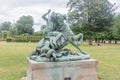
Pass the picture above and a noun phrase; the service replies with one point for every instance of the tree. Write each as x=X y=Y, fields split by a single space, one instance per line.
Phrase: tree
x=93 y=15
x=75 y=29
x=4 y=29
x=116 y=28
x=13 y=31
x=5 y=26
x=24 y=25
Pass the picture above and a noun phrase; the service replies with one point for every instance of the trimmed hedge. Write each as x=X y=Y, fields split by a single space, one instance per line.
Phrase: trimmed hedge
x=21 y=38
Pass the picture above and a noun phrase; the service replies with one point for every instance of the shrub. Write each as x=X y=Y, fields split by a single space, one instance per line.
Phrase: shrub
x=23 y=38
x=9 y=39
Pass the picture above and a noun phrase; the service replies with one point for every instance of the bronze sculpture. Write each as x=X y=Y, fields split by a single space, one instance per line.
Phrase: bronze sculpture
x=58 y=35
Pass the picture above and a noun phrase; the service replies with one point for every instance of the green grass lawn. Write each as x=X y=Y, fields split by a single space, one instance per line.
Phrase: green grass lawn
x=13 y=59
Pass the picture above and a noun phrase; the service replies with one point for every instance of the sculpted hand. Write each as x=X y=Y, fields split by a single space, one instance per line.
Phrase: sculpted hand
x=49 y=10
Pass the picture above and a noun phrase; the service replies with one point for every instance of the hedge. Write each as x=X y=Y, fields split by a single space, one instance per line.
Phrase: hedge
x=21 y=38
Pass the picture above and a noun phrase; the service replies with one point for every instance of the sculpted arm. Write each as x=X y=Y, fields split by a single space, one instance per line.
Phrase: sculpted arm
x=44 y=16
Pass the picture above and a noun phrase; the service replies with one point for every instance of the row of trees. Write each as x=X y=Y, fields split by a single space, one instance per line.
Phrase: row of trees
x=95 y=19
x=20 y=31
x=22 y=26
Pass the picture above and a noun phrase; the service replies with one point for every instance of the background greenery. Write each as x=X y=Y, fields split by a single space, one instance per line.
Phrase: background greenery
x=13 y=59
x=96 y=19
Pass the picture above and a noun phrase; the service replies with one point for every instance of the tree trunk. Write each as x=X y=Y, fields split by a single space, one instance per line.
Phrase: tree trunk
x=90 y=40
x=98 y=42
x=109 y=41
x=95 y=40
x=115 y=41
x=102 y=40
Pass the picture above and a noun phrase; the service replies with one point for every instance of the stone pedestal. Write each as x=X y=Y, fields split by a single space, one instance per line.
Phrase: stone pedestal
x=70 y=70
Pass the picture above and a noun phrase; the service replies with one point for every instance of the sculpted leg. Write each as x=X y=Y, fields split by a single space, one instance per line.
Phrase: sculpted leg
x=78 y=38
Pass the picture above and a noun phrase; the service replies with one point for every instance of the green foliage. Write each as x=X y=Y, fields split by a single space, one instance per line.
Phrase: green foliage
x=5 y=26
x=24 y=38
x=24 y=25
x=116 y=27
x=39 y=33
x=9 y=39
x=76 y=29
x=13 y=31
x=95 y=16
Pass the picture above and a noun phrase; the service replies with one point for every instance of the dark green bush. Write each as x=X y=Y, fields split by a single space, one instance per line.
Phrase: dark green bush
x=9 y=39
x=23 y=38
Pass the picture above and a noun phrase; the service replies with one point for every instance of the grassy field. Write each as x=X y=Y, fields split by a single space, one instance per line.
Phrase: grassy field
x=13 y=59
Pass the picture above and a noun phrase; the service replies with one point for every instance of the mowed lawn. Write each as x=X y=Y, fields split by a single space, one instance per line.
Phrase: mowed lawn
x=13 y=59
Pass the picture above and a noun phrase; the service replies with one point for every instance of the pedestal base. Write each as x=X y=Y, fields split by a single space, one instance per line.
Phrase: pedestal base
x=70 y=70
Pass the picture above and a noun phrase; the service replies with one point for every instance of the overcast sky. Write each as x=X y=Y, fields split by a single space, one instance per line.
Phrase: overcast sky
x=11 y=10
